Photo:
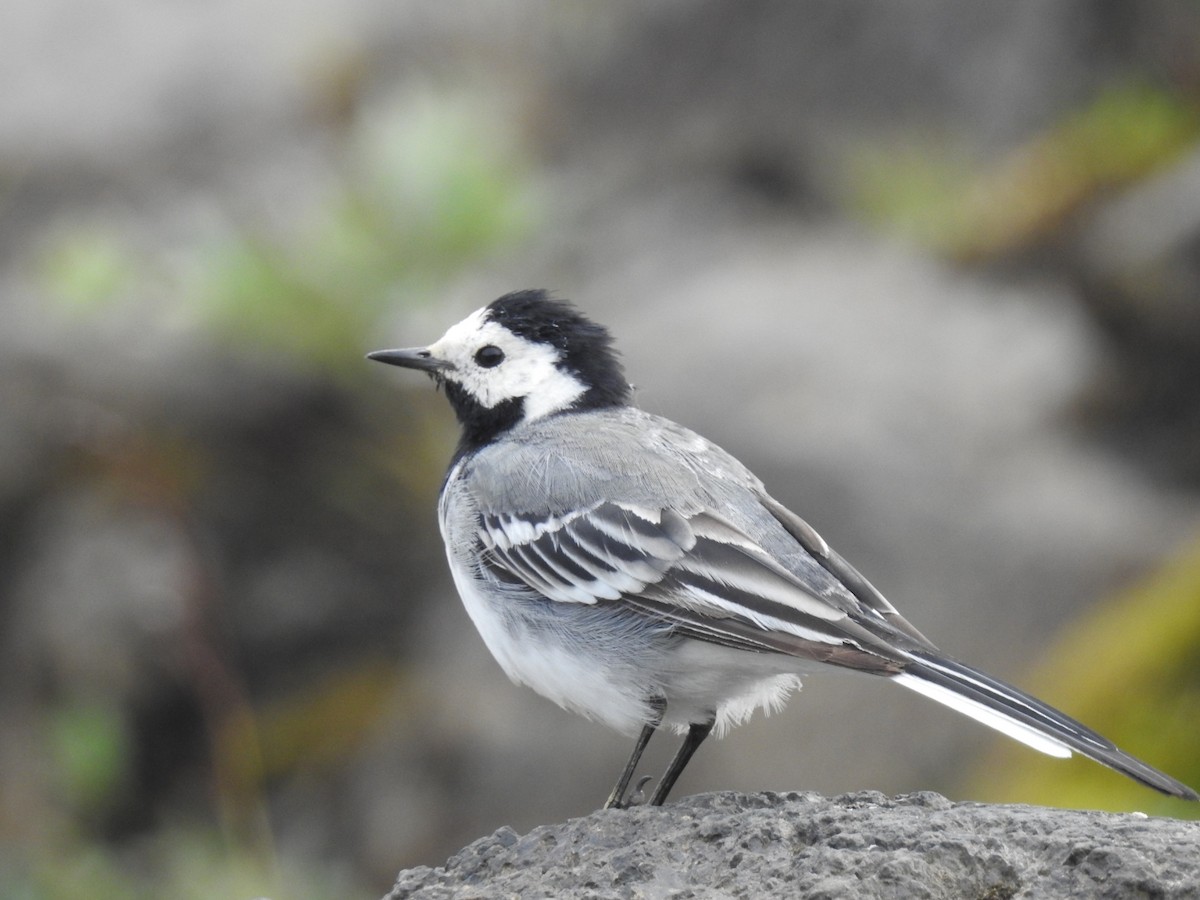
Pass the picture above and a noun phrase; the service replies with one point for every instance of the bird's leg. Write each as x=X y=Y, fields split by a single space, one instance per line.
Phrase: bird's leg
x=616 y=799
x=697 y=732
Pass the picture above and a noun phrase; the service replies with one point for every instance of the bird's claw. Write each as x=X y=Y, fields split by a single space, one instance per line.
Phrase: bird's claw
x=638 y=797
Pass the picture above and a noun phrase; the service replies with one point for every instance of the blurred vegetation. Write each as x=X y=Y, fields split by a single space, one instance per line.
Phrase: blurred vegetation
x=423 y=188
x=181 y=864
x=90 y=748
x=435 y=185
x=438 y=181
x=1130 y=669
x=934 y=194
x=426 y=186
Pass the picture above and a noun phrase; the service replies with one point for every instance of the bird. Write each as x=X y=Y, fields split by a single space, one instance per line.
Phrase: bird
x=633 y=572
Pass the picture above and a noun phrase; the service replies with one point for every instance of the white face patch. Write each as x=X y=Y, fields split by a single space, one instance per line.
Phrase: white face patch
x=528 y=370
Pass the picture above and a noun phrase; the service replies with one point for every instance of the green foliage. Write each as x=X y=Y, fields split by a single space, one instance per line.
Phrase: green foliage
x=431 y=186
x=925 y=191
x=88 y=269
x=912 y=188
x=62 y=859
x=179 y=864
x=425 y=187
x=90 y=748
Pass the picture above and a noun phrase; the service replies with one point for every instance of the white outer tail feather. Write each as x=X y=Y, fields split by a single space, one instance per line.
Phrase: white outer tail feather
x=1018 y=731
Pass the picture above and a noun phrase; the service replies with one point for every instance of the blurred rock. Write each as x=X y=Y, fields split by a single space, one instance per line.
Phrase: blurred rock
x=771 y=94
x=1137 y=264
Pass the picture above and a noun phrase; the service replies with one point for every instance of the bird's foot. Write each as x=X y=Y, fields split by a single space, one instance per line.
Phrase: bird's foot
x=638 y=797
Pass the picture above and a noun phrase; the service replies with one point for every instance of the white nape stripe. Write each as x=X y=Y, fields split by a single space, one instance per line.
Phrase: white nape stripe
x=1018 y=731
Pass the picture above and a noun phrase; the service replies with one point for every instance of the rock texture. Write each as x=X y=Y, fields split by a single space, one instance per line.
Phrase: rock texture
x=860 y=845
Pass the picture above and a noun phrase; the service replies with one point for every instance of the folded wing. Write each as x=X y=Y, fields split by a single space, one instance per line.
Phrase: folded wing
x=697 y=572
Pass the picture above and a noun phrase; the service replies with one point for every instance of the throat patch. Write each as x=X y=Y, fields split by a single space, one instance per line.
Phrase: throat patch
x=481 y=424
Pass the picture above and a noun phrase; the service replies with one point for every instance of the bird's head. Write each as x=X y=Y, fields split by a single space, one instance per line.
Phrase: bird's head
x=521 y=357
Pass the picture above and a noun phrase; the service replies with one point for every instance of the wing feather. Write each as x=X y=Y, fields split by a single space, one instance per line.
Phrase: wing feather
x=846 y=574
x=698 y=573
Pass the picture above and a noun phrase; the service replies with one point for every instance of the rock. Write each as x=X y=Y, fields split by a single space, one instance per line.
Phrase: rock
x=860 y=845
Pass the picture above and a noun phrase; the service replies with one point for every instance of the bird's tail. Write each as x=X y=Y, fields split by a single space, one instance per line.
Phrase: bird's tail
x=1025 y=718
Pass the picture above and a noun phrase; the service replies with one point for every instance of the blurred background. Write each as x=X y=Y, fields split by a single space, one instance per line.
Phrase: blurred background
x=929 y=269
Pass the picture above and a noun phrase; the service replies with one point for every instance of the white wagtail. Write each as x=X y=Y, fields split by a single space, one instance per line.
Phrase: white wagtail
x=631 y=571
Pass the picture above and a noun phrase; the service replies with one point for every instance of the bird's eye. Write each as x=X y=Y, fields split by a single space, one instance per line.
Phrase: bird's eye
x=488 y=357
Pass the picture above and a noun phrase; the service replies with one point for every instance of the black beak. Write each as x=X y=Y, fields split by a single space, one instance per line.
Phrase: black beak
x=412 y=358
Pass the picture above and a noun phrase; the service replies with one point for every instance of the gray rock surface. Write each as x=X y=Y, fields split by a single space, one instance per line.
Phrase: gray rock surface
x=860 y=845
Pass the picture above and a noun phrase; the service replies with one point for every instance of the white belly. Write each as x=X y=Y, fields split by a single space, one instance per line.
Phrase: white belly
x=580 y=683
x=615 y=688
